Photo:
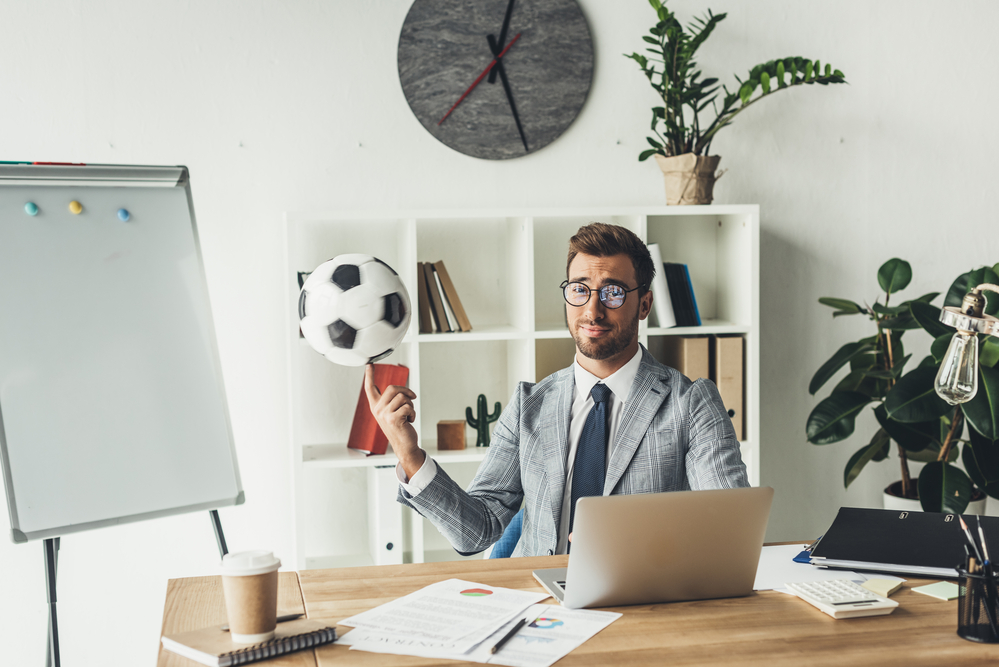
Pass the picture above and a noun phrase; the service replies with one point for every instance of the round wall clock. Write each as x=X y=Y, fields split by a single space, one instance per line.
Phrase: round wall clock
x=495 y=79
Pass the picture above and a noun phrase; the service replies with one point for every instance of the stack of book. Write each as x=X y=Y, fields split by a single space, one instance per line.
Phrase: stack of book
x=673 y=300
x=439 y=306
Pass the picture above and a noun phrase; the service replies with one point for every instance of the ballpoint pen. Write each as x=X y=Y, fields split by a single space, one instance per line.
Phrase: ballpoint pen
x=508 y=635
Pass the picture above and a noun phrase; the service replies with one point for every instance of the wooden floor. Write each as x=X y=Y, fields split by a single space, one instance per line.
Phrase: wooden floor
x=766 y=628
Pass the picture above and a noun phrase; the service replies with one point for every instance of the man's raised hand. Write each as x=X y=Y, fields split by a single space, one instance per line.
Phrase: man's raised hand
x=394 y=411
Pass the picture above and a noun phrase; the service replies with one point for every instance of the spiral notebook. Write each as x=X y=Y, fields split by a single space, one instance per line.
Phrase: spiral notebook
x=213 y=647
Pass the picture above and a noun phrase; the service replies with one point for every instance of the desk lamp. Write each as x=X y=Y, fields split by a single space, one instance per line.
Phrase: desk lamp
x=957 y=379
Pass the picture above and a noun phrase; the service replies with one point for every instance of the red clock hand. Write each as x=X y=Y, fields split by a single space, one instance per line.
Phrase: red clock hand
x=481 y=77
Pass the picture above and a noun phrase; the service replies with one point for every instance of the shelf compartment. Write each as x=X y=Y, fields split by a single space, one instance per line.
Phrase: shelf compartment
x=719 y=252
x=484 y=257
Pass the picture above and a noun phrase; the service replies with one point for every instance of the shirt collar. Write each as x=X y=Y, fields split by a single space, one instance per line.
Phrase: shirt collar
x=619 y=382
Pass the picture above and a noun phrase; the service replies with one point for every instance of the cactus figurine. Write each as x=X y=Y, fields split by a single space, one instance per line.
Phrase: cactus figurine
x=481 y=425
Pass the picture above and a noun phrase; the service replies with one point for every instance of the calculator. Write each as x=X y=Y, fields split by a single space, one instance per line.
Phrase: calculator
x=842 y=598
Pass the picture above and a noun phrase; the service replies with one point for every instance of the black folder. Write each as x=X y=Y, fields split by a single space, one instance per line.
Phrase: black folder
x=916 y=543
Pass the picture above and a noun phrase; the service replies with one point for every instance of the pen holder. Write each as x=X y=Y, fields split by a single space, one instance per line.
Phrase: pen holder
x=977 y=611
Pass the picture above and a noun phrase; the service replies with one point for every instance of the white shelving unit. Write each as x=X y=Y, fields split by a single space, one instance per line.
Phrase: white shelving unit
x=506 y=266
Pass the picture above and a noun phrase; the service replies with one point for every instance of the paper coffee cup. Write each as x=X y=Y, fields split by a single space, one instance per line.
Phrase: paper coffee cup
x=250 y=585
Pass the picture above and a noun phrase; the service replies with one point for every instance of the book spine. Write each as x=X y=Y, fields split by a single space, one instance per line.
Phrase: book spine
x=437 y=306
x=693 y=297
x=452 y=321
x=451 y=296
x=661 y=302
x=423 y=300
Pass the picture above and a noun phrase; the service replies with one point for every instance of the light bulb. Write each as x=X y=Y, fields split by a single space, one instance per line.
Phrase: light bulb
x=957 y=379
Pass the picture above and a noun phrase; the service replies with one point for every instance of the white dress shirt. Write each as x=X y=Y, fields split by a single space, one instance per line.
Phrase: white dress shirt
x=620 y=385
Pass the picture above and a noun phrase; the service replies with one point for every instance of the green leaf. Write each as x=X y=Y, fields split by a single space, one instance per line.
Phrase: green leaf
x=988 y=354
x=765 y=82
x=808 y=70
x=844 y=305
x=653 y=142
x=645 y=155
x=833 y=419
x=914 y=437
x=828 y=69
x=931 y=453
x=968 y=281
x=744 y=92
x=981 y=460
x=913 y=398
x=928 y=317
x=878 y=446
x=858 y=381
x=890 y=310
x=895 y=274
x=780 y=74
x=895 y=371
x=837 y=361
x=943 y=488
x=939 y=347
x=982 y=411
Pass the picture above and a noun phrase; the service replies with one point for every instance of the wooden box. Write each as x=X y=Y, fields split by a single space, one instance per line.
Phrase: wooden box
x=451 y=434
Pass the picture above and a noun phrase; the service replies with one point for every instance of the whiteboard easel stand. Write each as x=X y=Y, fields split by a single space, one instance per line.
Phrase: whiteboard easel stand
x=98 y=259
x=51 y=564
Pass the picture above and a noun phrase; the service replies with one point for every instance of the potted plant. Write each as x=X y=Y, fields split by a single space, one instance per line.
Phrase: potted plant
x=909 y=413
x=681 y=147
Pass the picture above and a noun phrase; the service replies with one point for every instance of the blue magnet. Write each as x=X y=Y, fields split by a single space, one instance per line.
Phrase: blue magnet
x=31 y=208
x=123 y=215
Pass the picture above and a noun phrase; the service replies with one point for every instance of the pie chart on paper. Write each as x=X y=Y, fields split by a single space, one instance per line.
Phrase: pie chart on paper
x=476 y=592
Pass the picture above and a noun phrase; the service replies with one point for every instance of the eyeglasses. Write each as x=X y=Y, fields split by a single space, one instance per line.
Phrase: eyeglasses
x=611 y=296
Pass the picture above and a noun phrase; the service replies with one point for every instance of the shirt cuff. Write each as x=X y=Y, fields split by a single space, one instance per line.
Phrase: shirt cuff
x=420 y=480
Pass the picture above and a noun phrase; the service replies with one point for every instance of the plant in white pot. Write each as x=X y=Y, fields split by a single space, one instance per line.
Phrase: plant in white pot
x=908 y=410
x=681 y=143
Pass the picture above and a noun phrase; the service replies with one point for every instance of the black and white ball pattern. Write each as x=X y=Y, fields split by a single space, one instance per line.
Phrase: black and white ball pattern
x=354 y=309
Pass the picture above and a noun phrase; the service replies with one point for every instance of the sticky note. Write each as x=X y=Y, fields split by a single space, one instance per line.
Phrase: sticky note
x=882 y=587
x=942 y=590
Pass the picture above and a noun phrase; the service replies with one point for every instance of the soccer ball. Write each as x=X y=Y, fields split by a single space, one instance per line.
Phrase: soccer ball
x=354 y=309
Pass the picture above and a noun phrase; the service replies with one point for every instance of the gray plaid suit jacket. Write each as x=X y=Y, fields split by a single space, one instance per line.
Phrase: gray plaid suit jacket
x=674 y=435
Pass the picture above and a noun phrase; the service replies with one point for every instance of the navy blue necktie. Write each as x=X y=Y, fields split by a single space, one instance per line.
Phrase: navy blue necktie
x=591 y=452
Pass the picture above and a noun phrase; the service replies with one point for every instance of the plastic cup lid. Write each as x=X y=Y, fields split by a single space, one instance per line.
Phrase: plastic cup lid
x=249 y=563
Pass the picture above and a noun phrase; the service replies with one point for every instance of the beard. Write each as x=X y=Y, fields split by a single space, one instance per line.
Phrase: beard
x=608 y=346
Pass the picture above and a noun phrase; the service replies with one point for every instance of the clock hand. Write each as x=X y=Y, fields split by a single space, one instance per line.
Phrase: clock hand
x=506 y=88
x=502 y=37
x=480 y=77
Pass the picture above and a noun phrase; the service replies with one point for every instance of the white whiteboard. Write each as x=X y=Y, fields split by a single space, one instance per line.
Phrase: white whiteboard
x=112 y=407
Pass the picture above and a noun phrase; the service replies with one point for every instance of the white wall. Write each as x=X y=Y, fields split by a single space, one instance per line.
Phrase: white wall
x=297 y=106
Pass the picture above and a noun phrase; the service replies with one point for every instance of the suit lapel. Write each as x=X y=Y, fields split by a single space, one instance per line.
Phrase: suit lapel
x=555 y=441
x=647 y=394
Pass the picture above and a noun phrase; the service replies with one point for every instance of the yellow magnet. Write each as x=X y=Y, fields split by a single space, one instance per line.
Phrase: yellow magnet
x=75 y=207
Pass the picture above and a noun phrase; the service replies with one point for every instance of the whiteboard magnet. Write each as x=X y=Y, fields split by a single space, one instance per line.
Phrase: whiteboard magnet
x=124 y=215
x=75 y=207
x=31 y=208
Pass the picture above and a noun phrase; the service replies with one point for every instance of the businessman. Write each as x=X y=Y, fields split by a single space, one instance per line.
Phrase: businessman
x=616 y=421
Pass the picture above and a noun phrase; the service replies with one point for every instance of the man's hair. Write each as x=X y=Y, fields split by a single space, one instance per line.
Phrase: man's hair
x=598 y=239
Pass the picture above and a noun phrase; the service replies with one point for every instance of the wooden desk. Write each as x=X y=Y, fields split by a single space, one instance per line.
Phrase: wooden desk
x=767 y=628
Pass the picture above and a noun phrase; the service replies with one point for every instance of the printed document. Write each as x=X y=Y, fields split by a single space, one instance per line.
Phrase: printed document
x=454 y=613
x=551 y=633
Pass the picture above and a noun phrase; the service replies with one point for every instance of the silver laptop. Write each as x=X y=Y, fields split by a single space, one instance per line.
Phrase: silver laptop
x=662 y=547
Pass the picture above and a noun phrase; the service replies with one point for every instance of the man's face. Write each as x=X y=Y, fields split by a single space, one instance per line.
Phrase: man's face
x=601 y=333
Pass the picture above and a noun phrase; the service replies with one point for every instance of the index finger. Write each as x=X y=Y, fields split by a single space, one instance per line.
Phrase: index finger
x=369 y=385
